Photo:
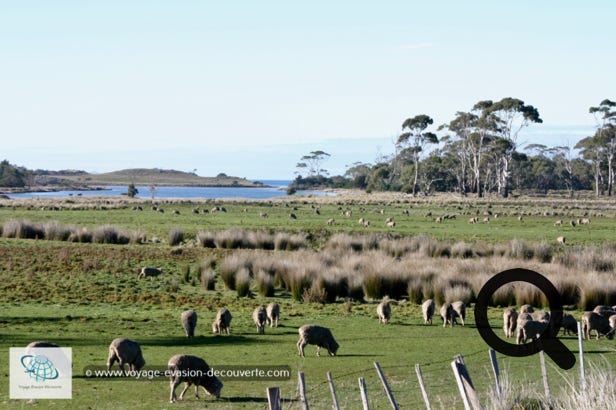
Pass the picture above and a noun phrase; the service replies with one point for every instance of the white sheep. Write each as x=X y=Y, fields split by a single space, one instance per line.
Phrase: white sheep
x=125 y=351
x=459 y=310
x=529 y=329
x=259 y=316
x=273 y=314
x=192 y=370
x=510 y=318
x=148 y=271
x=222 y=323
x=541 y=316
x=427 y=310
x=526 y=309
x=383 y=310
x=189 y=322
x=447 y=314
x=319 y=336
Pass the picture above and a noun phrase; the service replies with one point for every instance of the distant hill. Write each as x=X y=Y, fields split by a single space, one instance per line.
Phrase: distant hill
x=156 y=176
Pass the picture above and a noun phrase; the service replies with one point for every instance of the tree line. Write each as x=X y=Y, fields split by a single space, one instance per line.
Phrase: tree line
x=478 y=152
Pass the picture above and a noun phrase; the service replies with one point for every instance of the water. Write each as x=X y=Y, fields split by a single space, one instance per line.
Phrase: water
x=277 y=188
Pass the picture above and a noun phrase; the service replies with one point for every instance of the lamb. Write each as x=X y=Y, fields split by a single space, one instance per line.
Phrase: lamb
x=526 y=309
x=125 y=351
x=447 y=314
x=594 y=321
x=259 y=316
x=459 y=310
x=222 y=323
x=529 y=329
x=383 y=310
x=319 y=336
x=427 y=309
x=41 y=344
x=510 y=317
x=273 y=314
x=192 y=370
x=151 y=272
x=189 y=322
x=569 y=324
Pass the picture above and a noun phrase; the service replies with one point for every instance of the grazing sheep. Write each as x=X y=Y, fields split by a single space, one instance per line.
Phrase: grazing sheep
x=612 y=321
x=259 y=316
x=510 y=318
x=541 y=316
x=125 y=351
x=603 y=310
x=319 y=336
x=189 y=322
x=473 y=220
x=558 y=223
x=331 y=221
x=263 y=215
x=584 y=221
x=192 y=370
x=41 y=344
x=383 y=310
x=561 y=240
x=292 y=216
x=447 y=314
x=151 y=272
x=427 y=309
x=526 y=309
x=528 y=329
x=222 y=323
x=569 y=324
x=273 y=314
x=391 y=224
x=594 y=321
x=459 y=310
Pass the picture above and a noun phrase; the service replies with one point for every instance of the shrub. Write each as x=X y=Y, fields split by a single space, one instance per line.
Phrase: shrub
x=176 y=237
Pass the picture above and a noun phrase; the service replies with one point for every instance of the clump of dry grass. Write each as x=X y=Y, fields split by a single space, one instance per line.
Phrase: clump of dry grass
x=208 y=278
x=265 y=283
x=176 y=237
x=206 y=239
x=22 y=229
x=242 y=282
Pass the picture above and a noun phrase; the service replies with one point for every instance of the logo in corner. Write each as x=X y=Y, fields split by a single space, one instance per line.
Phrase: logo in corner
x=39 y=367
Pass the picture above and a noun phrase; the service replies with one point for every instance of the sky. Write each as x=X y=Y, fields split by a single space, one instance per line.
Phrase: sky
x=249 y=87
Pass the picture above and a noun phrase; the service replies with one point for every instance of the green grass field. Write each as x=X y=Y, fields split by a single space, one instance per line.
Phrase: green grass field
x=83 y=295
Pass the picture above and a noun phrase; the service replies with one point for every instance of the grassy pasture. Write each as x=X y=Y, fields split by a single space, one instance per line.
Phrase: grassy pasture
x=84 y=294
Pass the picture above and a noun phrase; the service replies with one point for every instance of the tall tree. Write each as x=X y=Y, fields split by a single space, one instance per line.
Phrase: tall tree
x=312 y=163
x=512 y=115
x=605 y=116
x=415 y=139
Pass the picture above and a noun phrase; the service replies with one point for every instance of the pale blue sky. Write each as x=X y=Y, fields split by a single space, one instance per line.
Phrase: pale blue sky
x=249 y=87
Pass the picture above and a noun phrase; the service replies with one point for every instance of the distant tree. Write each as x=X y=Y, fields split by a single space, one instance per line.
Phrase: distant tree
x=415 y=139
x=132 y=190
x=605 y=116
x=312 y=163
x=12 y=176
x=592 y=151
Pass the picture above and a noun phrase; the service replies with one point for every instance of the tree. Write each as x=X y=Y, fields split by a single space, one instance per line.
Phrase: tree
x=415 y=139
x=512 y=115
x=132 y=190
x=605 y=116
x=312 y=163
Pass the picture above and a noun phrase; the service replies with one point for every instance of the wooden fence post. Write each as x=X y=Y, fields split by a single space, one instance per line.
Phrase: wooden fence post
x=333 y=390
x=302 y=390
x=424 y=393
x=494 y=362
x=273 y=398
x=465 y=384
x=364 y=395
x=390 y=395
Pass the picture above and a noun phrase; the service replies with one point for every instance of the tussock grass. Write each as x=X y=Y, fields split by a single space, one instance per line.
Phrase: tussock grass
x=176 y=237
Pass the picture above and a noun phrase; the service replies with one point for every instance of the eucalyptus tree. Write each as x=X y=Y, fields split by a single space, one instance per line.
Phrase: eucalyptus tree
x=312 y=163
x=415 y=139
x=605 y=116
x=512 y=115
x=592 y=151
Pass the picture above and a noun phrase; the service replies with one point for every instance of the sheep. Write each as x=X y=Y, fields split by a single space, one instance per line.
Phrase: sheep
x=594 y=321
x=569 y=324
x=259 y=316
x=612 y=321
x=273 y=314
x=427 y=309
x=528 y=328
x=222 y=323
x=391 y=224
x=148 y=271
x=558 y=223
x=41 y=344
x=447 y=314
x=459 y=310
x=584 y=221
x=541 y=316
x=603 y=310
x=319 y=336
x=561 y=240
x=331 y=221
x=526 y=309
x=383 y=310
x=189 y=322
x=192 y=370
x=473 y=220
x=510 y=317
x=125 y=351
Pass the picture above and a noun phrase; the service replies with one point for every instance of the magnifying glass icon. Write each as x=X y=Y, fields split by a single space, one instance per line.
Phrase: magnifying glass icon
x=548 y=342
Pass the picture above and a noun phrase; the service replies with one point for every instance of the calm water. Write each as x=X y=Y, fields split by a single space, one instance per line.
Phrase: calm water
x=278 y=188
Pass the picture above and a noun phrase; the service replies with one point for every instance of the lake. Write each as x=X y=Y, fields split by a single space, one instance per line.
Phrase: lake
x=276 y=188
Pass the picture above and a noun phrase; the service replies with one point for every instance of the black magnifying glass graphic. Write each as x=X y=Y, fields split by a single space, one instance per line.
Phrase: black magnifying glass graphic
x=548 y=342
